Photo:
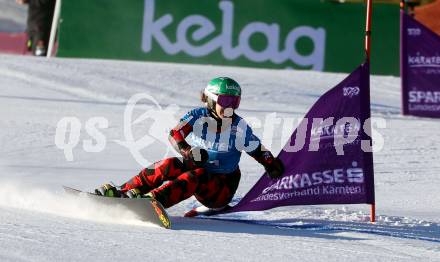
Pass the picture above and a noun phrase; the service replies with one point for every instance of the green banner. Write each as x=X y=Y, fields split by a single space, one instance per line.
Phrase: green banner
x=298 y=34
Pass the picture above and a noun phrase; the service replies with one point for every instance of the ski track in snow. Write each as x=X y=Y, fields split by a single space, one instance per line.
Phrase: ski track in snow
x=399 y=227
x=39 y=223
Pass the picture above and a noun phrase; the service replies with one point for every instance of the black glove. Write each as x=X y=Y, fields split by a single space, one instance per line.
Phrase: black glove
x=196 y=155
x=199 y=155
x=275 y=169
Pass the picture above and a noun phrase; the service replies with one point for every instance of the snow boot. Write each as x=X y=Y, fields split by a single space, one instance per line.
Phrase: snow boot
x=133 y=193
x=205 y=211
x=108 y=190
x=136 y=193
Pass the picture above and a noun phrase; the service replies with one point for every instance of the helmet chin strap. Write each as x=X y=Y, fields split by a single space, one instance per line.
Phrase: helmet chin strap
x=214 y=112
x=211 y=104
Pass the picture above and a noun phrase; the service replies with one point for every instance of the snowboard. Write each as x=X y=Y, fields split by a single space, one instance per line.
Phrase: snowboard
x=147 y=209
x=205 y=211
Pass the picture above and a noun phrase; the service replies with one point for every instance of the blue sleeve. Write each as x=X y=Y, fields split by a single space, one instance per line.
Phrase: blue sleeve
x=252 y=142
x=192 y=116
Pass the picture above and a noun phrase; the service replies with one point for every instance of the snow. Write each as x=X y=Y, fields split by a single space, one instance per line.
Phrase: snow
x=39 y=223
x=12 y=16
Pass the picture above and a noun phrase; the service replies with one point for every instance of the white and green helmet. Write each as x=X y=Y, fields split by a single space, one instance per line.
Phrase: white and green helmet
x=223 y=90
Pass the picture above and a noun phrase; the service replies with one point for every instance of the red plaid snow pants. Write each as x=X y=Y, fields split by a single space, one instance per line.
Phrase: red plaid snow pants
x=185 y=180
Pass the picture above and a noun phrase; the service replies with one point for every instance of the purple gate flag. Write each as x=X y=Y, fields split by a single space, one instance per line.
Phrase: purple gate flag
x=322 y=176
x=419 y=68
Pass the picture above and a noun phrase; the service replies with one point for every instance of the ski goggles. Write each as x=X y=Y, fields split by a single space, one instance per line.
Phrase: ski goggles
x=225 y=101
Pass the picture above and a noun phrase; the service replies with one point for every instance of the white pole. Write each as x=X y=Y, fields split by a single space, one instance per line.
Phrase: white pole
x=53 y=30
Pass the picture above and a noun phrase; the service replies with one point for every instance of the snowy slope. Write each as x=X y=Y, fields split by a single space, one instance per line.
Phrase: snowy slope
x=37 y=222
x=12 y=16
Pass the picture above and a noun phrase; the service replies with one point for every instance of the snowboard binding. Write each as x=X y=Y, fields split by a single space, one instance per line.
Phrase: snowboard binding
x=108 y=190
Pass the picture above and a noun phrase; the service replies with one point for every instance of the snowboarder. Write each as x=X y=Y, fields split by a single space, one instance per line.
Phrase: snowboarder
x=209 y=169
